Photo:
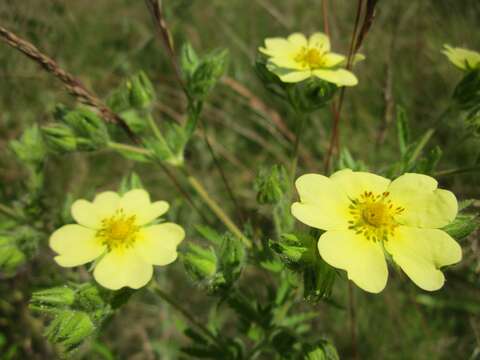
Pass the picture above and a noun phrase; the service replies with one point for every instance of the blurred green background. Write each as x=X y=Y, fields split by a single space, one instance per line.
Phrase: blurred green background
x=104 y=41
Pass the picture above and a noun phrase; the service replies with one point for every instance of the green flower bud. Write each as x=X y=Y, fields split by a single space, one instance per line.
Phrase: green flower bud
x=292 y=250
x=271 y=184
x=30 y=148
x=141 y=91
x=318 y=280
x=70 y=329
x=89 y=126
x=200 y=263
x=59 y=138
x=202 y=76
x=310 y=94
x=56 y=297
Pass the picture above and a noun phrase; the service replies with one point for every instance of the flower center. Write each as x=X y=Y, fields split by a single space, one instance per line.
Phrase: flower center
x=310 y=58
x=118 y=230
x=373 y=215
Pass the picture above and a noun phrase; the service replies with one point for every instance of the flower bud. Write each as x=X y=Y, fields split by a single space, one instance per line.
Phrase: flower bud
x=311 y=94
x=59 y=138
x=69 y=329
x=200 y=263
x=141 y=91
x=89 y=126
x=60 y=296
x=271 y=184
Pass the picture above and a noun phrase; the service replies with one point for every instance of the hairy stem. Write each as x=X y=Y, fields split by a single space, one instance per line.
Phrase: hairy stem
x=156 y=289
x=217 y=210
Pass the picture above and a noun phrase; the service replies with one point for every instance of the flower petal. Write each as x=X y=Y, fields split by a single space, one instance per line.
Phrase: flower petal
x=298 y=39
x=340 y=77
x=295 y=76
x=363 y=260
x=137 y=202
x=84 y=213
x=421 y=252
x=122 y=268
x=158 y=245
x=355 y=183
x=91 y=214
x=332 y=59
x=75 y=245
x=462 y=58
x=277 y=47
x=106 y=203
x=322 y=205
x=286 y=62
x=320 y=41
x=425 y=205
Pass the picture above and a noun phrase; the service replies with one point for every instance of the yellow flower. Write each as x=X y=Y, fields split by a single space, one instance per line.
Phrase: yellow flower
x=116 y=231
x=297 y=58
x=462 y=58
x=364 y=214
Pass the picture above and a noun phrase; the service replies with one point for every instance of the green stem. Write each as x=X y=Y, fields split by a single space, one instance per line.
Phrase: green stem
x=298 y=135
x=186 y=314
x=423 y=142
x=457 y=171
x=216 y=209
x=124 y=147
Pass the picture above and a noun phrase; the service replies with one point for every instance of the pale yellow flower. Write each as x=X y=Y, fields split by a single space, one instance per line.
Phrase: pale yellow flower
x=297 y=58
x=117 y=233
x=366 y=214
x=462 y=58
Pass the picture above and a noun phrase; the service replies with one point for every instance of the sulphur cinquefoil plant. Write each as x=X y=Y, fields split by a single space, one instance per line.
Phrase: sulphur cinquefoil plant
x=239 y=189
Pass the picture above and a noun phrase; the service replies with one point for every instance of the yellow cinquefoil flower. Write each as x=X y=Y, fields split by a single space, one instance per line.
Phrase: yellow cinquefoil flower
x=297 y=58
x=115 y=231
x=364 y=214
x=462 y=58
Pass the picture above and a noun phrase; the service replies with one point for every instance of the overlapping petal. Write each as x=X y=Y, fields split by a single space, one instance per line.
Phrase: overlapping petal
x=123 y=268
x=75 y=245
x=363 y=260
x=320 y=41
x=340 y=77
x=425 y=205
x=137 y=202
x=422 y=252
x=91 y=214
x=158 y=243
x=323 y=204
x=354 y=183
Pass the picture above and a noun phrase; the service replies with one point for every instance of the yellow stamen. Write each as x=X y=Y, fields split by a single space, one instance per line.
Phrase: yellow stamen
x=310 y=58
x=118 y=230
x=374 y=216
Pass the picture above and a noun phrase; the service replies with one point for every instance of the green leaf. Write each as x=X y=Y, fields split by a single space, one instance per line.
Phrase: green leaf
x=322 y=351
x=30 y=149
x=462 y=226
x=209 y=234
